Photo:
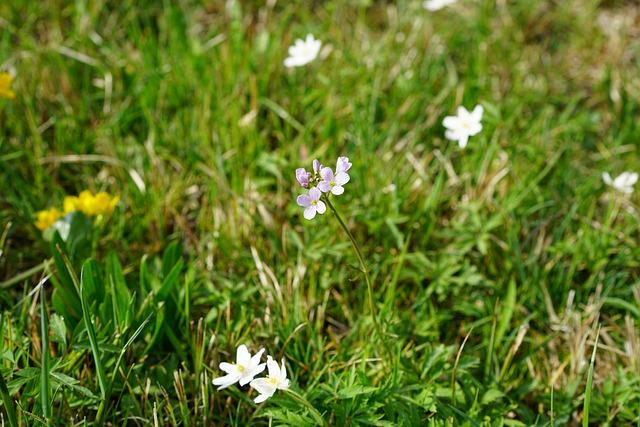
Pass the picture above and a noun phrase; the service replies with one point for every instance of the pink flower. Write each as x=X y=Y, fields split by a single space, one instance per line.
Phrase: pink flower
x=333 y=183
x=342 y=165
x=311 y=203
x=303 y=177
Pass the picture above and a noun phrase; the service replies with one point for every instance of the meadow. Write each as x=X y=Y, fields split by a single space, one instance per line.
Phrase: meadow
x=151 y=222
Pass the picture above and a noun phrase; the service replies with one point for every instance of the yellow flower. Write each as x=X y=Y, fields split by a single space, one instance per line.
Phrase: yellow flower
x=46 y=218
x=5 y=86
x=91 y=205
x=70 y=204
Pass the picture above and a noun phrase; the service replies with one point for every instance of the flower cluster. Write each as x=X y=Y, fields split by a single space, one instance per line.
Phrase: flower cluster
x=5 y=86
x=90 y=204
x=321 y=180
x=47 y=217
x=247 y=367
x=86 y=202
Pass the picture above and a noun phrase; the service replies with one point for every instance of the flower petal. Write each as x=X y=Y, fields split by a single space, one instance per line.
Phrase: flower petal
x=337 y=190
x=324 y=186
x=607 y=178
x=321 y=207
x=310 y=213
x=315 y=194
x=225 y=381
x=477 y=112
x=274 y=369
x=463 y=140
x=451 y=122
x=341 y=178
x=304 y=200
x=243 y=357
x=262 y=397
x=228 y=367
x=326 y=174
x=263 y=386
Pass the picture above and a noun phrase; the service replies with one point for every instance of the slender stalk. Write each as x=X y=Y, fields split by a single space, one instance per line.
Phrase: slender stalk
x=44 y=365
x=365 y=272
x=25 y=274
x=9 y=405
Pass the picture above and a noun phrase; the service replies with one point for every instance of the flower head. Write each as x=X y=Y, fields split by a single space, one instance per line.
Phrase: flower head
x=303 y=177
x=70 y=204
x=312 y=204
x=332 y=183
x=343 y=164
x=433 y=5
x=92 y=205
x=302 y=52
x=276 y=380
x=5 y=86
x=46 y=218
x=464 y=125
x=243 y=371
x=623 y=182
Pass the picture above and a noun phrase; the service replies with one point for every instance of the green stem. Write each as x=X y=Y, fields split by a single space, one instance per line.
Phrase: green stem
x=25 y=274
x=365 y=271
x=314 y=412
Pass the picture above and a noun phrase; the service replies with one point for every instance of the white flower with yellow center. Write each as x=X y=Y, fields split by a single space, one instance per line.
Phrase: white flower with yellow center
x=243 y=371
x=463 y=125
x=276 y=380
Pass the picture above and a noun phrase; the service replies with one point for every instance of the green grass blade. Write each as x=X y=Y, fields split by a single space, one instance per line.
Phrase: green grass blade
x=45 y=386
x=85 y=275
x=9 y=406
x=589 y=386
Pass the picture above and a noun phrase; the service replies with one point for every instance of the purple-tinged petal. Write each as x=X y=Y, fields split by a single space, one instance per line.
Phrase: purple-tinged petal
x=314 y=194
x=321 y=207
x=326 y=174
x=324 y=186
x=317 y=166
x=302 y=176
x=304 y=200
x=341 y=178
x=343 y=164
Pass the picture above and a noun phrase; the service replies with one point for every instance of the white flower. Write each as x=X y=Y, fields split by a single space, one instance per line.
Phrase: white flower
x=312 y=204
x=276 y=380
x=464 y=125
x=623 y=182
x=243 y=371
x=332 y=183
x=302 y=52
x=433 y=5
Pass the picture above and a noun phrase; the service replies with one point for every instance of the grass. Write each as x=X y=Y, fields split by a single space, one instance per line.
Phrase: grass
x=491 y=267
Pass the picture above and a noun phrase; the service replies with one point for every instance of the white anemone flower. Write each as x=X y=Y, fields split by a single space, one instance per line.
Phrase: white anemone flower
x=433 y=5
x=276 y=380
x=464 y=125
x=623 y=182
x=243 y=371
x=302 y=52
